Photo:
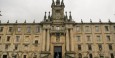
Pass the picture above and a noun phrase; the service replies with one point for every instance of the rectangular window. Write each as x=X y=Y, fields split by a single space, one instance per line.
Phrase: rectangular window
x=16 y=47
x=17 y=38
x=78 y=38
x=114 y=27
x=106 y=28
x=8 y=38
x=87 y=28
x=88 y=38
x=112 y=55
x=110 y=47
x=6 y=46
x=79 y=47
x=24 y=56
x=0 y=38
x=98 y=38
x=108 y=38
x=89 y=47
x=10 y=29
x=19 y=29
x=100 y=47
x=78 y=28
x=36 y=41
x=28 y=29
x=1 y=29
x=97 y=28
x=37 y=29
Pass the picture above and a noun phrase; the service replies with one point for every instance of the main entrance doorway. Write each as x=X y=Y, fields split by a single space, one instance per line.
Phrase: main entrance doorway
x=57 y=52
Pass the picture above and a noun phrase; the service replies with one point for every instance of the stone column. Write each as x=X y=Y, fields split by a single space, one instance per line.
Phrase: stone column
x=72 y=39
x=67 y=40
x=43 y=40
x=48 y=40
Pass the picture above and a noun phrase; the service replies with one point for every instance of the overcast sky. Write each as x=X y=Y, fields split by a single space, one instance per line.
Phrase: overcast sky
x=30 y=10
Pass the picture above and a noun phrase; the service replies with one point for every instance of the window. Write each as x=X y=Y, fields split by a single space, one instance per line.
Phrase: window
x=16 y=47
x=108 y=38
x=98 y=38
x=36 y=41
x=6 y=46
x=97 y=28
x=0 y=38
x=110 y=47
x=106 y=28
x=112 y=56
x=17 y=38
x=90 y=56
x=78 y=28
x=1 y=29
x=24 y=56
x=79 y=47
x=37 y=29
x=100 y=47
x=89 y=47
x=26 y=46
x=28 y=29
x=114 y=27
x=19 y=29
x=78 y=38
x=10 y=29
x=88 y=38
x=8 y=38
x=87 y=28
x=79 y=55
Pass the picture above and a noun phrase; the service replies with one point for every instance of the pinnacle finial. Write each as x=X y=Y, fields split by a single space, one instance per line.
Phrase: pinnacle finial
x=0 y=14
x=81 y=21
x=25 y=21
x=49 y=15
x=100 y=20
x=90 y=20
x=45 y=16
x=109 y=21
x=62 y=3
x=34 y=21
x=57 y=2
x=16 y=21
x=70 y=17
x=8 y=21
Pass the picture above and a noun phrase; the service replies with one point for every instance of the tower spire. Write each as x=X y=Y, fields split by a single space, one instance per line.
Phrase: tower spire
x=57 y=2
x=45 y=16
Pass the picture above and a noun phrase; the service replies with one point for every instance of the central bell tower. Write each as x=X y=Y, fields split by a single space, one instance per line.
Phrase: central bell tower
x=57 y=10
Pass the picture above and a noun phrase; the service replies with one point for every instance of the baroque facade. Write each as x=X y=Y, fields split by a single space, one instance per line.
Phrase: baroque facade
x=57 y=36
